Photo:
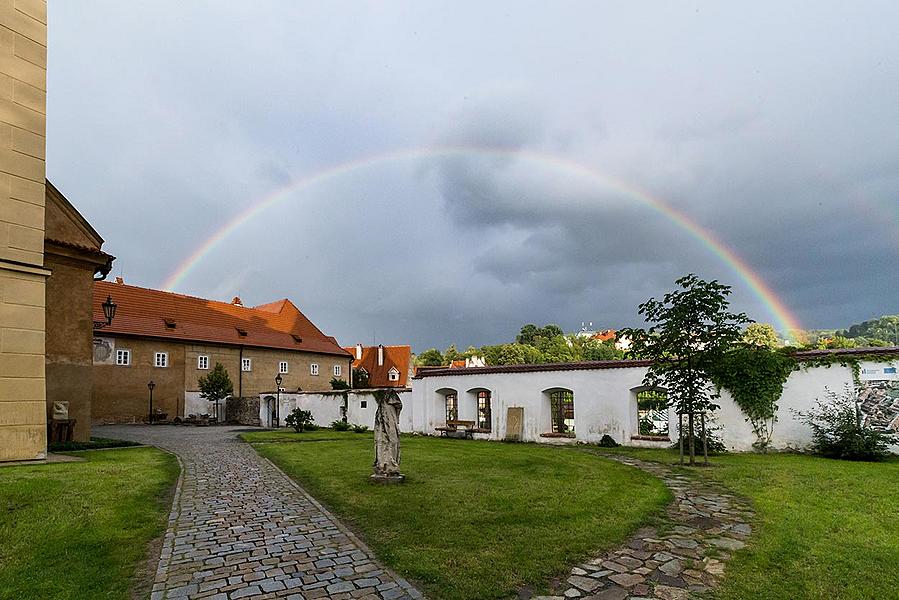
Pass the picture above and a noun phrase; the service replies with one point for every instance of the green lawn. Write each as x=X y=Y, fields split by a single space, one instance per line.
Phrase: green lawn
x=474 y=519
x=825 y=529
x=80 y=529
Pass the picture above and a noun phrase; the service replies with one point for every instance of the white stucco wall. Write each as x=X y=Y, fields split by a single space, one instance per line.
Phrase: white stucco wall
x=326 y=407
x=605 y=403
x=194 y=404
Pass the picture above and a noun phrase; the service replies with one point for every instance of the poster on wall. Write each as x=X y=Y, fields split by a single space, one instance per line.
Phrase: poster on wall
x=879 y=404
x=104 y=351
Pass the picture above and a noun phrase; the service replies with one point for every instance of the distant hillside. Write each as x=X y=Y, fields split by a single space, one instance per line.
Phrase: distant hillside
x=884 y=329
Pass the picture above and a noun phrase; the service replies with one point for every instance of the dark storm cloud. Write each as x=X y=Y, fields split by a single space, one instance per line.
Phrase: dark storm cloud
x=776 y=134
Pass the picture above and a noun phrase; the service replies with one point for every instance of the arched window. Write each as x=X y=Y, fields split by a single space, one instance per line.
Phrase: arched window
x=561 y=404
x=452 y=407
x=652 y=412
x=484 y=414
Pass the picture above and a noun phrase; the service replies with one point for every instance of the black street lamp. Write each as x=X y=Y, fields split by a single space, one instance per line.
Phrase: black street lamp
x=150 y=387
x=278 y=380
x=109 y=308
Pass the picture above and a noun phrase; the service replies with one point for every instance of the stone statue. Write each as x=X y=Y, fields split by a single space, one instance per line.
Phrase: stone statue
x=387 y=438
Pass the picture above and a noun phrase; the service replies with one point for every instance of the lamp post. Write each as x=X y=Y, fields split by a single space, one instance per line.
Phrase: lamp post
x=277 y=410
x=109 y=308
x=150 y=387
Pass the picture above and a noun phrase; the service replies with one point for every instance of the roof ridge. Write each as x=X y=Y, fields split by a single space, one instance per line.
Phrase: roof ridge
x=177 y=294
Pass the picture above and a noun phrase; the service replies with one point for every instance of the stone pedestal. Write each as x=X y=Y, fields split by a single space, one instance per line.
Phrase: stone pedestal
x=387 y=479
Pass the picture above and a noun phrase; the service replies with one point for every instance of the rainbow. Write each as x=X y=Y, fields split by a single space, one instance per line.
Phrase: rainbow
x=783 y=318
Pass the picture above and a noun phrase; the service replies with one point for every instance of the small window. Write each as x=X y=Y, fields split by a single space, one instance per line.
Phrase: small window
x=202 y=362
x=246 y=365
x=123 y=357
x=562 y=410
x=484 y=415
x=363 y=404
x=313 y=369
x=337 y=370
x=161 y=360
x=452 y=408
x=393 y=374
x=282 y=367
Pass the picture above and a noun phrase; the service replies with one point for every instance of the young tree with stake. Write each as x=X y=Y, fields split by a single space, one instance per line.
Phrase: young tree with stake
x=690 y=330
x=216 y=386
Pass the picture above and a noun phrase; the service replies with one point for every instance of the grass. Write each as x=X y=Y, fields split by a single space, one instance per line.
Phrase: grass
x=95 y=443
x=825 y=529
x=474 y=519
x=81 y=529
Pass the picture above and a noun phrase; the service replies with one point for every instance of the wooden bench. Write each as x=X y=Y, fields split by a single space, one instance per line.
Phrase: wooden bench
x=463 y=428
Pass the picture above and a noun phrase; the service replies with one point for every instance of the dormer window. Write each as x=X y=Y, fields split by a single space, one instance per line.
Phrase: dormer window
x=296 y=338
x=393 y=374
x=241 y=332
x=169 y=323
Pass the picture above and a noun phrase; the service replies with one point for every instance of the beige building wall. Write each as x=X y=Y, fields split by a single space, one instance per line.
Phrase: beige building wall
x=120 y=392
x=23 y=84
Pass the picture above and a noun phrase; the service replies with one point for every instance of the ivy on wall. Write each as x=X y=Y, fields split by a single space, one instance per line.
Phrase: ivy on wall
x=755 y=377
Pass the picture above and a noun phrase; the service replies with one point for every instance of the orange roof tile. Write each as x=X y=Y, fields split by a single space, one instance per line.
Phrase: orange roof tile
x=146 y=312
x=394 y=356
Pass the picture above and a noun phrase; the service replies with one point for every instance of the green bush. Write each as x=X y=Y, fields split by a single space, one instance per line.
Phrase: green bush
x=360 y=428
x=339 y=384
x=340 y=426
x=300 y=420
x=839 y=430
x=608 y=442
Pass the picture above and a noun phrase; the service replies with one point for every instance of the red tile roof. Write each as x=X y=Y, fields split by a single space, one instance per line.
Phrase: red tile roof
x=146 y=312
x=394 y=356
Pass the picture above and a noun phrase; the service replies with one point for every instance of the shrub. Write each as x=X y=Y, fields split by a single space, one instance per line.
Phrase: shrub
x=339 y=384
x=839 y=429
x=340 y=426
x=360 y=428
x=300 y=420
x=608 y=442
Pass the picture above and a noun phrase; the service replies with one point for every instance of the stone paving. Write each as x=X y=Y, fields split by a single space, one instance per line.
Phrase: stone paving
x=240 y=528
x=707 y=524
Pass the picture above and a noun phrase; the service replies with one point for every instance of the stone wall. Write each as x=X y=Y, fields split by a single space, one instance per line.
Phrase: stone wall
x=242 y=411
x=23 y=85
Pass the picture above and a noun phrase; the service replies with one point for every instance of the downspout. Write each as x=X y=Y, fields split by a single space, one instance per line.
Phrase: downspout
x=240 y=374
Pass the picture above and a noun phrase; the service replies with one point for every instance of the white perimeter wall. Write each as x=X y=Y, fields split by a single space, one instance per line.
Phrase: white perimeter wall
x=194 y=404
x=326 y=407
x=605 y=403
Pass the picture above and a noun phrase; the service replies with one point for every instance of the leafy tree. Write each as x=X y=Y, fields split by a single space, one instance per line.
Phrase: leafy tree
x=512 y=354
x=360 y=378
x=690 y=332
x=430 y=358
x=558 y=349
x=761 y=334
x=451 y=354
x=339 y=384
x=527 y=335
x=216 y=385
x=299 y=419
x=597 y=350
x=837 y=341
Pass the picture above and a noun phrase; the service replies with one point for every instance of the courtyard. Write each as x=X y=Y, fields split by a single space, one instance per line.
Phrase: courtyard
x=473 y=520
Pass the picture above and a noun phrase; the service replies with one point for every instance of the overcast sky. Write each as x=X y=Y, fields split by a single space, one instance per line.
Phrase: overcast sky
x=773 y=125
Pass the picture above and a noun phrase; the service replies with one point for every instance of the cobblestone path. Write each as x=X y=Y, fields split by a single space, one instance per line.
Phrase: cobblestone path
x=240 y=528
x=707 y=525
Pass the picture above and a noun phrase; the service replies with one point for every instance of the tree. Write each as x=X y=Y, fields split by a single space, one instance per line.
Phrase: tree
x=339 y=384
x=761 y=334
x=690 y=332
x=597 y=350
x=299 y=419
x=527 y=335
x=451 y=354
x=430 y=358
x=558 y=349
x=360 y=378
x=216 y=386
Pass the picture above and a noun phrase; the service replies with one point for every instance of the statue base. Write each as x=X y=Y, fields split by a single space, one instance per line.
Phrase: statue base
x=387 y=479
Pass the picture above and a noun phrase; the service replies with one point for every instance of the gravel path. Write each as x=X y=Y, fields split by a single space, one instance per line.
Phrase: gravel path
x=240 y=528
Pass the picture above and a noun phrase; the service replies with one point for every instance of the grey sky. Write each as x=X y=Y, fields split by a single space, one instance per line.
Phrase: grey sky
x=773 y=126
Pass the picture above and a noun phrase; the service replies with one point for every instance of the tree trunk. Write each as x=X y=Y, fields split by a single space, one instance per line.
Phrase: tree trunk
x=705 y=442
x=692 y=438
x=680 y=435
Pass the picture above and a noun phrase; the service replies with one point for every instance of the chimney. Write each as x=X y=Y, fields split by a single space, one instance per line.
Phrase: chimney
x=120 y=280
x=358 y=351
x=236 y=301
x=380 y=355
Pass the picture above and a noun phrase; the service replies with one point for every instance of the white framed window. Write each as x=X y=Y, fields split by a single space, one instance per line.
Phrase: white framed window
x=161 y=360
x=282 y=367
x=313 y=369
x=122 y=357
x=246 y=364
x=337 y=370
x=202 y=362
x=393 y=374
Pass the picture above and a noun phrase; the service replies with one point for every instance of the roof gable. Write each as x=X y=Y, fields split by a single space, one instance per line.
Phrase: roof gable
x=396 y=358
x=63 y=222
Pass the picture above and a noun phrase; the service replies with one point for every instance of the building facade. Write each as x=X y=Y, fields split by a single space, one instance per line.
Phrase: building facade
x=173 y=340
x=23 y=85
